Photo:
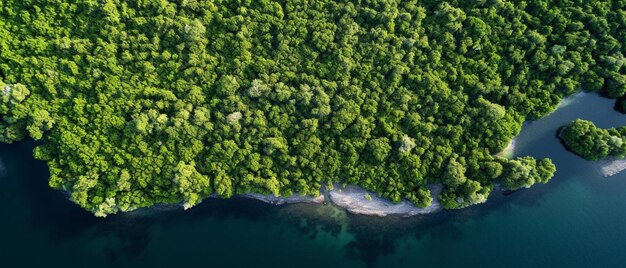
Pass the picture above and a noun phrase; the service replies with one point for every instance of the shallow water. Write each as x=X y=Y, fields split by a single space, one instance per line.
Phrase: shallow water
x=577 y=220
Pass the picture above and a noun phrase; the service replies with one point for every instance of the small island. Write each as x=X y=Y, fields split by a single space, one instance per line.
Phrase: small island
x=592 y=143
x=172 y=102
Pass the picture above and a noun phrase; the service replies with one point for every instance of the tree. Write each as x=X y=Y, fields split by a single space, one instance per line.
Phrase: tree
x=454 y=174
x=191 y=184
x=378 y=149
x=41 y=121
x=227 y=86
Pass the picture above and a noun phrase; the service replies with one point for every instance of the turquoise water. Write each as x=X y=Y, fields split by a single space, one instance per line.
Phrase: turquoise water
x=576 y=220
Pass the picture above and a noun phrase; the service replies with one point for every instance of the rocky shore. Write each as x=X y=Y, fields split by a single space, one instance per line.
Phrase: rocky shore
x=352 y=198
x=270 y=199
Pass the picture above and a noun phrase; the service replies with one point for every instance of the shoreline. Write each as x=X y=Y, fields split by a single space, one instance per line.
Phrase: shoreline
x=509 y=150
x=355 y=200
x=351 y=198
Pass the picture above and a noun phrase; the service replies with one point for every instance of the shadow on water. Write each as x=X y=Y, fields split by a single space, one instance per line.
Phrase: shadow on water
x=48 y=209
x=377 y=237
x=132 y=230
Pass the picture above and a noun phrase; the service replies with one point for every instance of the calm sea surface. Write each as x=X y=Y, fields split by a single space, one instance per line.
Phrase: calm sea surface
x=576 y=220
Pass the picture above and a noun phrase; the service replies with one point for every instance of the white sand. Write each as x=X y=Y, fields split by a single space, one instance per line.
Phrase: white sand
x=570 y=99
x=612 y=167
x=354 y=199
x=509 y=150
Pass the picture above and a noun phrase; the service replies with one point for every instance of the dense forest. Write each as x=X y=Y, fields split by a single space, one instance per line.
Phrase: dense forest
x=152 y=101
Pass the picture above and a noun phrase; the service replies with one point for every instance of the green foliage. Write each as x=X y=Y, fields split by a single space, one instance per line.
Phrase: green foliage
x=41 y=121
x=454 y=174
x=191 y=184
x=523 y=172
x=592 y=143
x=466 y=194
x=145 y=102
x=378 y=149
x=15 y=114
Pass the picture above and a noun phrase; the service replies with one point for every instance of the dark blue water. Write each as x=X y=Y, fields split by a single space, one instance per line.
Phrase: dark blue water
x=576 y=220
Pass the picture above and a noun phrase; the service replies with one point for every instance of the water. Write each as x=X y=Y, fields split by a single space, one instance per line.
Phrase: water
x=576 y=220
